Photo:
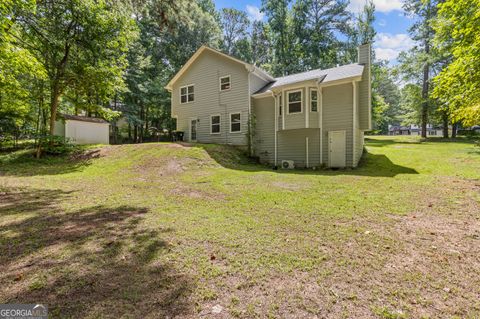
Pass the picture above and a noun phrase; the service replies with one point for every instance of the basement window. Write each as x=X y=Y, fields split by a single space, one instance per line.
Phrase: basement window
x=187 y=94
x=294 y=102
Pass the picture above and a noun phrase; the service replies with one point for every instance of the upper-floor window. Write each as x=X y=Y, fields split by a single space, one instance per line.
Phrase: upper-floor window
x=313 y=100
x=187 y=94
x=294 y=101
x=215 y=124
x=225 y=83
x=235 y=122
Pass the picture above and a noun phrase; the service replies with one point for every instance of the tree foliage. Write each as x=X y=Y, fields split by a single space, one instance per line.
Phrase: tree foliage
x=458 y=84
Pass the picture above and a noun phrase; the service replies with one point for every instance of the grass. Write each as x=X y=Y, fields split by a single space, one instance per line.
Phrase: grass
x=157 y=230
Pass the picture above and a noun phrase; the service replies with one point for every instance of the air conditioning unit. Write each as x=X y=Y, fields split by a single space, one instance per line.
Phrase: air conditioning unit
x=288 y=164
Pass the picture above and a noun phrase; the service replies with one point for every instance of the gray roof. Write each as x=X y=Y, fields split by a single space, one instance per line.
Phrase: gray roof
x=323 y=76
x=83 y=118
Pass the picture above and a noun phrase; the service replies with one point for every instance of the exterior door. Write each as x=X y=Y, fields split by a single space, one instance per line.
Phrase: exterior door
x=193 y=130
x=337 y=148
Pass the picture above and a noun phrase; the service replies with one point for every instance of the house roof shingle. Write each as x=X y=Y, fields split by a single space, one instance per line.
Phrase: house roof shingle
x=322 y=76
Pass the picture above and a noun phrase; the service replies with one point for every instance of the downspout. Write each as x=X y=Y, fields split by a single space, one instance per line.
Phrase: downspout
x=275 y=125
x=250 y=70
x=354 y=125
x=320 y=119
x=306 y=151
x=283 y=109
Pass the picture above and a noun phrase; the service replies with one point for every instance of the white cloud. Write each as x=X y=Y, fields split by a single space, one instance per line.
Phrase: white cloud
x=388 y=46
x=356 y=6
x=382 y=22
x=254 y=13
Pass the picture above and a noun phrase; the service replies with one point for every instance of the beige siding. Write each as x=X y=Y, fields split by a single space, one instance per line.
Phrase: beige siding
x=256 y=83
x=292 y=145
x=358 y=134
x=294 y=120
x=358 y=146
x=337 y=116
x=364 y=88
x=205 y=74
x=264 y=138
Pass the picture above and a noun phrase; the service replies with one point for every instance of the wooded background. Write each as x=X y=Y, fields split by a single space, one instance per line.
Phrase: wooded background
x=113 y=58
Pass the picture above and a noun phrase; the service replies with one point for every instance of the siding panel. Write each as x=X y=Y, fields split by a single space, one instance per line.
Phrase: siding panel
x=264 y=138
x=338 y=115
x=205 y=74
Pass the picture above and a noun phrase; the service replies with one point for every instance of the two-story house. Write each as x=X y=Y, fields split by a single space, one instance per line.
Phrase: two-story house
x=307 y=119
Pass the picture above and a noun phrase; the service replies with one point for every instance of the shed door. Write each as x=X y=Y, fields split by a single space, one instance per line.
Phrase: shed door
x=337 y=148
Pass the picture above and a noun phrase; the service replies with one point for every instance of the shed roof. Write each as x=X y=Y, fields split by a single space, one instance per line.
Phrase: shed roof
x=83 y=118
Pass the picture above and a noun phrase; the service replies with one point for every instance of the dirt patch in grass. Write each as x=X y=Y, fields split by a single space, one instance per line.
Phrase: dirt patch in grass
x=290 y=186
x=94 y=260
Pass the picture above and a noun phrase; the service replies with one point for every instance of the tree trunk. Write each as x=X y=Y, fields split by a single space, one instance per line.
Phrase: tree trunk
x=135 y=133
x=56 y=90
x=425 y=96
x=445 y=123
x=454 y=130
x=129 y=133
x=55 y=100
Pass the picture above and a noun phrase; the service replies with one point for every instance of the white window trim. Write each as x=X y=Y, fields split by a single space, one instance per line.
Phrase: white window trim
x=280 y=106
x=230 y=122
x=180 y=93
x=288 y=101
x=219 y=124
x=310 y=100
x=220 y=82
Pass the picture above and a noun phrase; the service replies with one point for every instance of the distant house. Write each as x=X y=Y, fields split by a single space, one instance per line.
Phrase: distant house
x=307 y=119
x=414 y=129
x=83 y=129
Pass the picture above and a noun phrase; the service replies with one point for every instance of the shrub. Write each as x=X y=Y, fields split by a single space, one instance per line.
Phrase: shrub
x=56 y=145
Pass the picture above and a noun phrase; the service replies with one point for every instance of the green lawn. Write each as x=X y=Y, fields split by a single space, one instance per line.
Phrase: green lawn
x=157 y=230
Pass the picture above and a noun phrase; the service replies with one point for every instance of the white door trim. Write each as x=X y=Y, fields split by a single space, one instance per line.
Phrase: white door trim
x=330 y=133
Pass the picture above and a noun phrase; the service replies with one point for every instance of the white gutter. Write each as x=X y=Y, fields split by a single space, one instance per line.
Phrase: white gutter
x=275 y=98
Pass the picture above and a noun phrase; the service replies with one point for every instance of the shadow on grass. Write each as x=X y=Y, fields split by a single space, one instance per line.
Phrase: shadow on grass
x=96 y=261
x=377 y=165
x=24 y=163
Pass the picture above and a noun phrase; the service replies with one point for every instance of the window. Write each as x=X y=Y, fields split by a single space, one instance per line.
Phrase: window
x=215 y=124
x=187 y=94
x=313 y=101
x=280 y=105
x=225 y=83
x=294 y=102
x=235 y=122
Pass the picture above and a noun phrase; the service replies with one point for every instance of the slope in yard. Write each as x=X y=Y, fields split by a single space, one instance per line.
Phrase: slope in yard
x=189 y=231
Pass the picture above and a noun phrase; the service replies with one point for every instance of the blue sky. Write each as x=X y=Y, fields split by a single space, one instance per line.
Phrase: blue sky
x=391 y=23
